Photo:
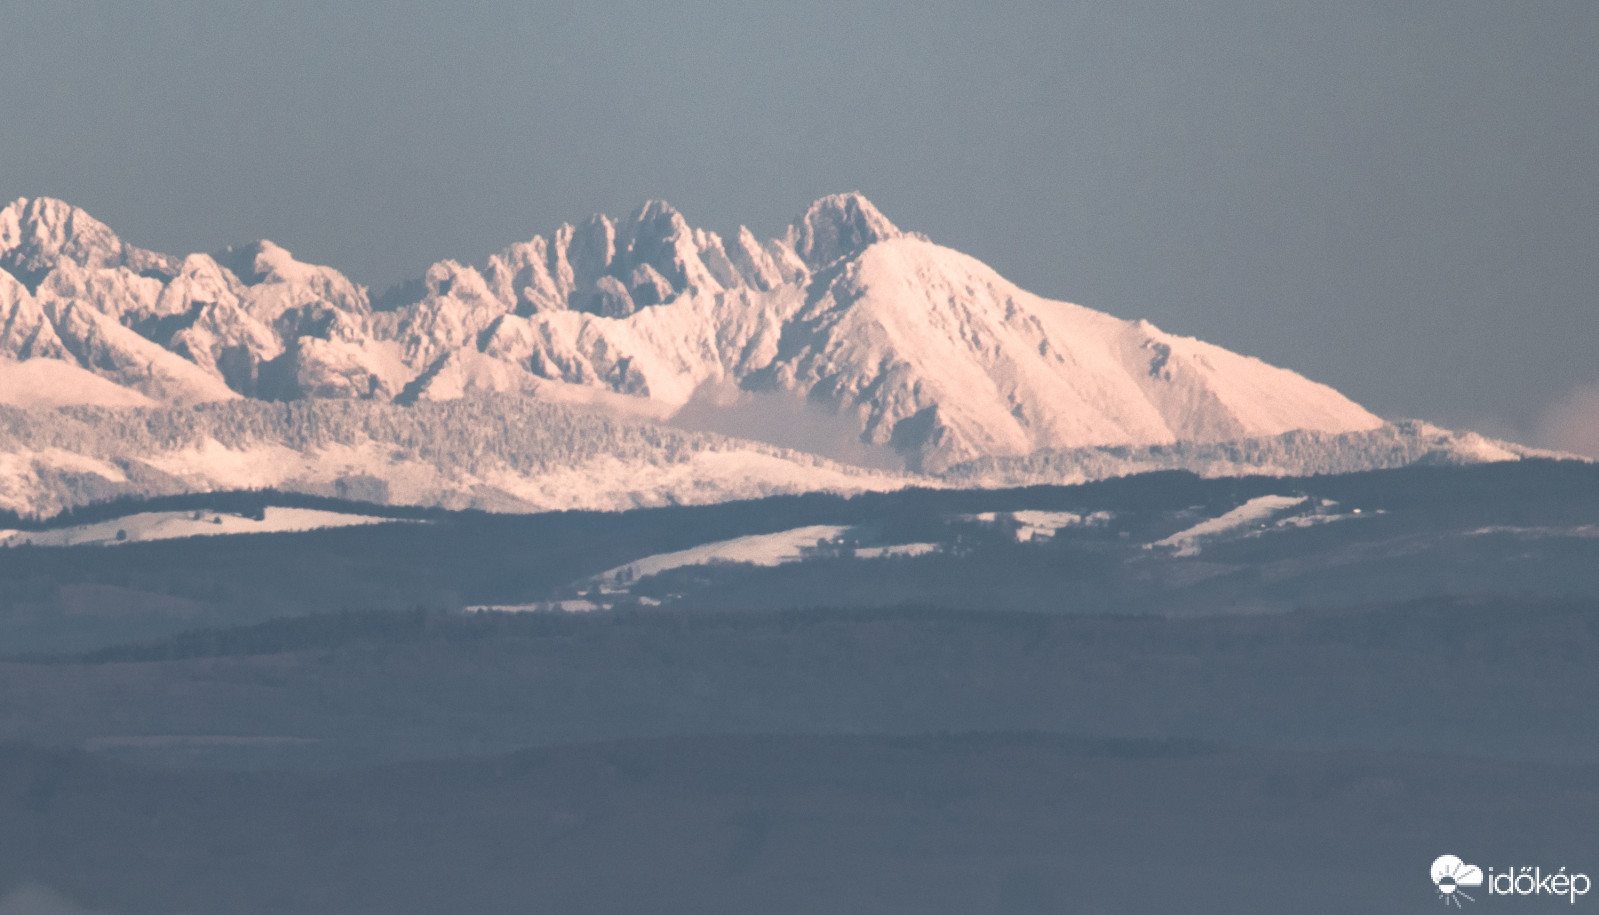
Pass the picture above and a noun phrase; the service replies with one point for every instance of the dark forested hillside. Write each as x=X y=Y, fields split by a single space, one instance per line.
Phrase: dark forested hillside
x=1524 y=528
x=1500 y=677
x=1287 y=694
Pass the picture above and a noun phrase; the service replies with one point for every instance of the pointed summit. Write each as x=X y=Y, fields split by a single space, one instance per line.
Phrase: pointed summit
x=659 y=237
x=839 y=225
x=259 y=262
x=37 y=234
x=910 y=346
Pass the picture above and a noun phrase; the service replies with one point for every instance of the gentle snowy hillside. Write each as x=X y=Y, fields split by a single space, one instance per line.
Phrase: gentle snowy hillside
x=144 y=526
x=513 y=453
x=1290 y=454
x=504 y=453
x=911 y=346
x=58 y=383
x=757 y=549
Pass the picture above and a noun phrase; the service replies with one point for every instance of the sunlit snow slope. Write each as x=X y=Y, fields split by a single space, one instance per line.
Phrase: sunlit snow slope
x=902 y=343
x=143 y=526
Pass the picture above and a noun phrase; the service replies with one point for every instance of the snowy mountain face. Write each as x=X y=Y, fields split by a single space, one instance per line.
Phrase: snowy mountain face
x=906 y=345
x=539 y=380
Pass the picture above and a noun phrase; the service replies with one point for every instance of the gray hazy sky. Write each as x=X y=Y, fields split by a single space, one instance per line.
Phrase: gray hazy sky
x=1397 y=198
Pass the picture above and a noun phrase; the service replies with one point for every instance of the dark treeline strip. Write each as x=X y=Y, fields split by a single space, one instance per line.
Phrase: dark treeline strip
x=245 y=502
x=1493 y=486
x=1436 y=621
x=423 y=625
x=74 y=599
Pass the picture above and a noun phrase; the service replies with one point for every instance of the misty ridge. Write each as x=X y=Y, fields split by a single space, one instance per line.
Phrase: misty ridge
x=799 y=425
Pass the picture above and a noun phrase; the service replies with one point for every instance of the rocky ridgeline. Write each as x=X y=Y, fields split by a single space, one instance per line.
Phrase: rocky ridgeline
x=900 y=343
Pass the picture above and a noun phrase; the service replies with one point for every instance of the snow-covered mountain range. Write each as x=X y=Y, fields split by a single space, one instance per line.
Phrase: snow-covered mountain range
x=892 y=345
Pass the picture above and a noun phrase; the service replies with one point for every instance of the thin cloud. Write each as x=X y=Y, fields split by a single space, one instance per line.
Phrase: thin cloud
x=783 y=420
x=1571 y=423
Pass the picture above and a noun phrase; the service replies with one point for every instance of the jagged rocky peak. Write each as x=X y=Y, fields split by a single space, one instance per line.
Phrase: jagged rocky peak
x=447 y=278
x=276 y=282
x=615 y=267
x=909 y=346
x=259 y=262
x=585 y=251
x=837 y=226
x=755 y=264
x=25 y=331
x=37 y=234
x=651 y=250
x=662 y=247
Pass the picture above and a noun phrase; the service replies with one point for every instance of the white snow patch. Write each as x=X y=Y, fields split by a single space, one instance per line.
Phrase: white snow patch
x=1033 y=525
x=1256 y=510
x=260 y=466
x=607 y=482
x=146 y=526
x=21 y=473
x=571 y=605
x=759 y=549
x=1311 y=520
x=20 y=463
x=54 y=383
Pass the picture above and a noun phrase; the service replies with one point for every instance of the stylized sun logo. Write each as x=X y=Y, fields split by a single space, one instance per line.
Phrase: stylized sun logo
x=1449 y=874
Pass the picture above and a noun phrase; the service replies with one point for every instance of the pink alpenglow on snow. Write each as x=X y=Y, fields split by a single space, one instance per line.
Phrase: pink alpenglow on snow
x=909 y=347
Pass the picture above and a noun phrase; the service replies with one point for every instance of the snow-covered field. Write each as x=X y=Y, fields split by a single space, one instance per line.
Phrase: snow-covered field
x=759 y=549
x=55 y=383
x=146 y=526
x=1032 y=524
x=1251 y=513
